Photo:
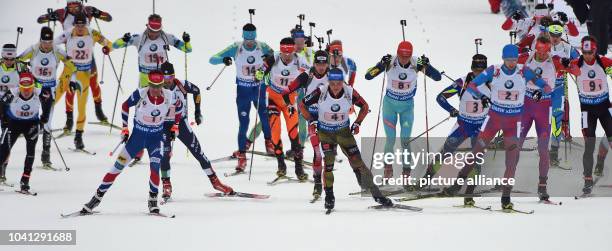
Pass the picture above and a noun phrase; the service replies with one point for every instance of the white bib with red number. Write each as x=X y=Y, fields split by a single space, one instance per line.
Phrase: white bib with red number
x=22 y=109
x=44 y=67
x=152 y=115
x=592 y=84
x=402 y=82
x=282 y=74
x=508 y=91
x=334 y=113
x=80 y=50
x=152 y=53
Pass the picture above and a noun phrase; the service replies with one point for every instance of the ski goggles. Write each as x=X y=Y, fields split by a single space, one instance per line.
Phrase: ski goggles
x=287 y=48
x=169 y=77
x=555 y=30
x=154 y=25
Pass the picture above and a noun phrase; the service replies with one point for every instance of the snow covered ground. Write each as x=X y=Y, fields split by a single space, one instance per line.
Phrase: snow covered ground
x=443 y=30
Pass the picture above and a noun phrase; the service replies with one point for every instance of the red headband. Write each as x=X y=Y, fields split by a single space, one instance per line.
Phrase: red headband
x=287 y=48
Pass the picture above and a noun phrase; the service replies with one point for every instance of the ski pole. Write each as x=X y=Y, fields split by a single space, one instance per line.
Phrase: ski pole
x=449 y=78
x=382 y=89
x=19 y=31
x=426 y=110
x=58 y=149
x=429 y=129
x=403 y=24
x=215 y=80
x=255 y=128
x=110 y=154
x=102 y=74
x=97 y=25
x=117 y=92
x=251 y=14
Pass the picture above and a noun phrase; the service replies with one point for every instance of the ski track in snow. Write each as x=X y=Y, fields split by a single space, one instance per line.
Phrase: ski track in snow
x=443 y=30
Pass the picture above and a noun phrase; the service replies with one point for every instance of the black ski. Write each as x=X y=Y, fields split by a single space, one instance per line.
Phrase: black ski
x=397 y=206
x=306 y=163
x=550 y=202
x=239 y=194
x=162 y=215
x=63 y=134
x=512 y=210
x=434 y=195
x=583 y=196
x=49 y=167
x=81 y=151
x=135 y=162
x=487 y=208
x=287 y=179
x=26 y=192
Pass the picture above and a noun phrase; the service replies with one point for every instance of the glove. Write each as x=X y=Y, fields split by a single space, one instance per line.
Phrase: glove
x=485 y=101
x=291 y=109
x=198 y=117
x=524 y=50
x=517 y=15
x=355 y=128
x=309 y=41
x=125 y=134
x=53 y=17
x=95 y=12
x=385 y=60
x=186 y=37
x=73 y=86
x=537 y=95
x=259 y=75
x=173 y=132
x=609 y=71
x=423 y=60
x=126 y=37
x=7 y=98
x=313 y=127
x=454 y=113
x=270 y=60
x=562 y=16
x=565 y=62
x=106 y=50
x=227 y=61
x=44 y=119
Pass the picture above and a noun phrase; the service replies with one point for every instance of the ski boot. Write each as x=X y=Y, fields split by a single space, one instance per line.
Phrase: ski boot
x=242 y=162
x=468 y=202
x=599 y=168
x=25 y=185
x=330 y=200
x=69 y=123
x=100 y=113
x=388 y=171
x=93 y=203
x=506 y=204
x=152 y=203
x=236 y=153
x=386 y=202
x=78 y=140
x=269 y=147
x=542 y=193
x=588 y=185
x=316 y=192
x=290 y=154
x=167 y=189
x=282 y=167
x=220 y=186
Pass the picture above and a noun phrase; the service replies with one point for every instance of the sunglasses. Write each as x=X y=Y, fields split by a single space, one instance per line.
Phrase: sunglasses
x=8 y=59
x=168 y=77
x=587 y=52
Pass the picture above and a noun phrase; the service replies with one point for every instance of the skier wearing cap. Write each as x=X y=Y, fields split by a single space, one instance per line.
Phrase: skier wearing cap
x=402 y=71
x=44 y=58
x=311 y=81
x=185 y=133
x=508 y=83
x=66 y=17
x=470 y=115
x=338 y=60
x=303 y=48
x=560 y=104
x=248 y=55
x=530 y=27
x=332 y=124
x=152 y=46
x=21 y=106
x=283 y=68
x=537 y=107
x=79 y=46
x=154 y=105
x=9 y=74
x=594 y=95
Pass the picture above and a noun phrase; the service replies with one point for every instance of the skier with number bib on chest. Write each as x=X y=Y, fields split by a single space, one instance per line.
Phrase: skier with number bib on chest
x=79 y=46
x=248 y=55
x=185 y=133
x=9 y=74
x=332 y=124
x=594 y=95
x=154 y=105
x=284 y=68
x=44 y=58
x=402 y=71
x=21 y=106
x=66 y=17
x=508 y=83
x=152 y=46
x=470 y=115
x=537 y=107
x=311 y=81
